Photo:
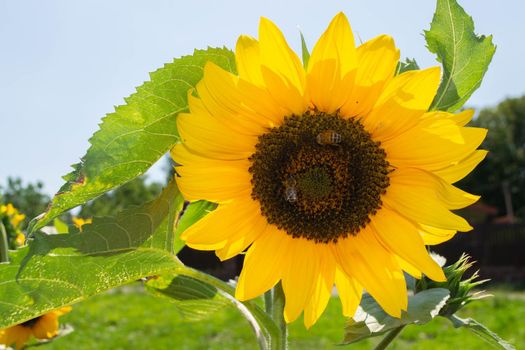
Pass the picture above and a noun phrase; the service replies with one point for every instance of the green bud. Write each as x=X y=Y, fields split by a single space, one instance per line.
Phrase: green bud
x=460 y=289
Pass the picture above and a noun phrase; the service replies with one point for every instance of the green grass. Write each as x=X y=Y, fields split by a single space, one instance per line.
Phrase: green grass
x=135 y=320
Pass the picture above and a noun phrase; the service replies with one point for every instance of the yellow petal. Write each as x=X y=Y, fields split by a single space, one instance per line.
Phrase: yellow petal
x=350 y=292
x=221 y=96
x=362 y=257
x=205 y=135
x=299 y=276
x=426 y=199
x=239 y=220
x=17 y=335
x=281 y=69
x=402 y=237
x=263 y=263
x=402 y=103
x=250 y=226
x=248 y=59
x=456 y=172
x=332 y=59
x=63 y=310
x=463 y=118
x=46 y=327
x=433 y=235
x=377 y=62
x=409 y=268
x=433 y=144
x=460 y=119
x=214 y=180
x=322 y=290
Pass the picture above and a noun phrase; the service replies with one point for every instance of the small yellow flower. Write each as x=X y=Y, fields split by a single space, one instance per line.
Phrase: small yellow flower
x=79 y=222
x=41 y=327
x=20 y=239
x=10 y=209
x=17 y=219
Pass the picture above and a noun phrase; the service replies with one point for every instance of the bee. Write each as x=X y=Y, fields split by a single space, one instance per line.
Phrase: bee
x=328 y=137
x=290 y=191
x=290 y=194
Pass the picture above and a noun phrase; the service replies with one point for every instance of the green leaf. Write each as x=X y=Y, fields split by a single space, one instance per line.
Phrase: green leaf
x=370 y=320
x=407 y=65
x=464 y=55
x=137 y=134
x=60 y=226
x=193 y=213
x=194 y=299
x=305 y=52
x=482 y=331
x=196 y=295
x=58 y=270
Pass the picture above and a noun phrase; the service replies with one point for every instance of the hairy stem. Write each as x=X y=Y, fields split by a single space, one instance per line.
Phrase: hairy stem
x=277 y=313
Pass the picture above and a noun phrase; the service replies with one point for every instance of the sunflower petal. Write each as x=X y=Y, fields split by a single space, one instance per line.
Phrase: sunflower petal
x=244 y=236
x=228 y=227
x=209 y=179
x=433 y=235
x=426 y=199
x=299 y=276
x=263 y=263
x=248 y=59
x=456 y=172
x=281 y=69
x=350 y=292
x=332 y=59
x=205 y=135
x=376 y=63
x=322 y=290
x=402 y=237
x=375 y=268
x=222 y=97
x=402 y=103
x=433 y=144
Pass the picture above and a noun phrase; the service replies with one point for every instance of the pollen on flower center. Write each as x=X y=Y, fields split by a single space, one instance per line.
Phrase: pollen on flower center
x=319 y=176
x=315 y=183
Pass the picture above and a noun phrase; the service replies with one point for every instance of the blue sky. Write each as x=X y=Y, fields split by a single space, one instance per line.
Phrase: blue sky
x=65 y=64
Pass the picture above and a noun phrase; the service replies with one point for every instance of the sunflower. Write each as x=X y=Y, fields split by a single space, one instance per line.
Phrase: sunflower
x=335 y=173
x=41 y=327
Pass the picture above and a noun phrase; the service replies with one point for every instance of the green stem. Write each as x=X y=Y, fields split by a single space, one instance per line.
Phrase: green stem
x=277 y=314
x=388 y=338
x=4 y=247
x=268 y=302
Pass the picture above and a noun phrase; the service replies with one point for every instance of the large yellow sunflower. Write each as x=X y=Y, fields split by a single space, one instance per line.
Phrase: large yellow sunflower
x=41 y=327
x=333 y=174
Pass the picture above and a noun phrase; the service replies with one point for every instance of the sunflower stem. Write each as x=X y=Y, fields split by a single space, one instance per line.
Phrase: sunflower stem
x=275 y=305
x=4 y=247
x=389 y=338
x=268 y=302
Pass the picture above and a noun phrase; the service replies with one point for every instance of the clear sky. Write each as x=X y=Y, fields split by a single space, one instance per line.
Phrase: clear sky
x=64 y=64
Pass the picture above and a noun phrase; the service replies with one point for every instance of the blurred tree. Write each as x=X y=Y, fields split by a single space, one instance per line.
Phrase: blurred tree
x=30 y=199
x=133 y=193
x=500 y=179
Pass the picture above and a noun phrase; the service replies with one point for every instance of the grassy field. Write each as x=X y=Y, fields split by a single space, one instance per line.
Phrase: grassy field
x=135 y=320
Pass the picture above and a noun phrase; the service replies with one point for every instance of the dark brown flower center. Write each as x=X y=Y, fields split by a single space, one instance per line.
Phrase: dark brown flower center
x=319 y=176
